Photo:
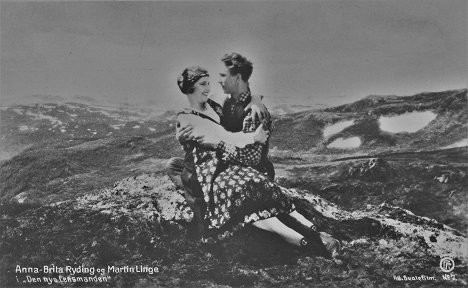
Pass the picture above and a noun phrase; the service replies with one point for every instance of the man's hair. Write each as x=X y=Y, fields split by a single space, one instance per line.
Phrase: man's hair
x=238 y=64
x=189 y=77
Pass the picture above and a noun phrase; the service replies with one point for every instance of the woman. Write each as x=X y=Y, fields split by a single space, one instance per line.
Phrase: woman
x=238 y=195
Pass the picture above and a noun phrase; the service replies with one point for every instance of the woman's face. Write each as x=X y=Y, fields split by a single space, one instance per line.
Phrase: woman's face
x=202 y=89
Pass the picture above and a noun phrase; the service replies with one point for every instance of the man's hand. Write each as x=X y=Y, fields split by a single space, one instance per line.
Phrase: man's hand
x=261 y=135
x=184 y=134
x=259 y=110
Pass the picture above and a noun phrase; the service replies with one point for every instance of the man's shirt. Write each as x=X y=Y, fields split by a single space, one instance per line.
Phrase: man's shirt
x=235 y=119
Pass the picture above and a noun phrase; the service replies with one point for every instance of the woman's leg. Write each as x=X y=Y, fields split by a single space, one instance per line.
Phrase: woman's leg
x=299 y=217
x=276 y=226
x=332 y=245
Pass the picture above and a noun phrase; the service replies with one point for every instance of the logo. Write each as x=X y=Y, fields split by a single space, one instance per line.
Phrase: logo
x=447 y=264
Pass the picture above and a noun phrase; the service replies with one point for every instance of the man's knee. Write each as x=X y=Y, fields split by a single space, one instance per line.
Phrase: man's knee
x=189 y=199
x=174 y=166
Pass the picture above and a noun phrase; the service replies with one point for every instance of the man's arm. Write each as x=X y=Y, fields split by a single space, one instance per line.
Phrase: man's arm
x=251 y=154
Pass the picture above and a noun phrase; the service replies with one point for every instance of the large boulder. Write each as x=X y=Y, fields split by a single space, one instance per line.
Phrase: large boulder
x=147 y=196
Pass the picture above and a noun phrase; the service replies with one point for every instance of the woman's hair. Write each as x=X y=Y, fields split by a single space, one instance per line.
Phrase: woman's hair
x=189 y=77
x=237 y=63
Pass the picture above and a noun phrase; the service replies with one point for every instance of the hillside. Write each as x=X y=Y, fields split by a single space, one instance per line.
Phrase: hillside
x=25 y=126
x=364 y=120
x=440 y=115
x=84 y=185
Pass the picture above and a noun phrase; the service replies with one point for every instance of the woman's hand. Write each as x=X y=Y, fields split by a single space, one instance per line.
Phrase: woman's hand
x=185 y=135
x=261 y=135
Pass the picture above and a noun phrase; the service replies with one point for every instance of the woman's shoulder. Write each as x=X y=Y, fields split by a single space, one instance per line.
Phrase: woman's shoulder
x=185 y=111
x=185 y=114
x=188 y=113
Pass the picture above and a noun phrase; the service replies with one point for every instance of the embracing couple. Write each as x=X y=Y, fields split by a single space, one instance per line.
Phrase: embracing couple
x=226 y=175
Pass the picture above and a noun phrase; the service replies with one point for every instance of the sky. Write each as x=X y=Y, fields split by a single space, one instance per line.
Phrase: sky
x=304 y=52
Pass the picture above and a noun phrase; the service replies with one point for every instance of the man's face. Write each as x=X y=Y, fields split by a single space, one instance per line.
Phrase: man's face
x=227 y=81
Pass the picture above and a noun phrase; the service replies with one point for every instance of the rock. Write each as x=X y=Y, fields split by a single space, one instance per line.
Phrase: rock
x=449 y=177
x=374 y=169
x=20 y=198
x=144 y=196
x=384 y=221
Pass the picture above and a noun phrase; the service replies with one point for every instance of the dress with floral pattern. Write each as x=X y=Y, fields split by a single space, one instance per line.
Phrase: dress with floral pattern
x=237 y=196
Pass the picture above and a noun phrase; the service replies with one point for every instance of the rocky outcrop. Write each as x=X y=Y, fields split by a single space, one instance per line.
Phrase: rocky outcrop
x=155 y=198
x=149 y=197
x=374 y=169
x=448 y=176
x=386 y=221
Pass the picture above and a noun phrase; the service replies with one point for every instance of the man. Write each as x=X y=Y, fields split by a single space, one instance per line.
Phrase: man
x=234 y=81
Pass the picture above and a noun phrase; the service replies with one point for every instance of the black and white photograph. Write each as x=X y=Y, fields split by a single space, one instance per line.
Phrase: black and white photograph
x=319 y=143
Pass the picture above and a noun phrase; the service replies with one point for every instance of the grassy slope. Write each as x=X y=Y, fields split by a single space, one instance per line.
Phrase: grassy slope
x=65 y=170
x=410 y=181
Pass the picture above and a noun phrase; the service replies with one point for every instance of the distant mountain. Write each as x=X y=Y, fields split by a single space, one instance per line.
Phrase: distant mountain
x=353 y=127
x=385 y=105
x=25 y=125
x=32 y=99
x=289 y=109
x=52 y=99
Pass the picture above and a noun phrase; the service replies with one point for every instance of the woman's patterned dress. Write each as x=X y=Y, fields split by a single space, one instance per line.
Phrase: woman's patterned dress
x=237 y=196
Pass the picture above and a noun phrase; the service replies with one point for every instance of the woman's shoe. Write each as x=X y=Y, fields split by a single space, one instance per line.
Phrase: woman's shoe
x=332 y=245
x=313 y=248
x=314 y=245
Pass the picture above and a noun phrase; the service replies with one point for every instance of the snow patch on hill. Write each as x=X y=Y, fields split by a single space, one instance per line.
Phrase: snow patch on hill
x=461 y=143
x=348 y=143
x=37 y=116
x=408 y=122
x=337 y=127
x=25 y=128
